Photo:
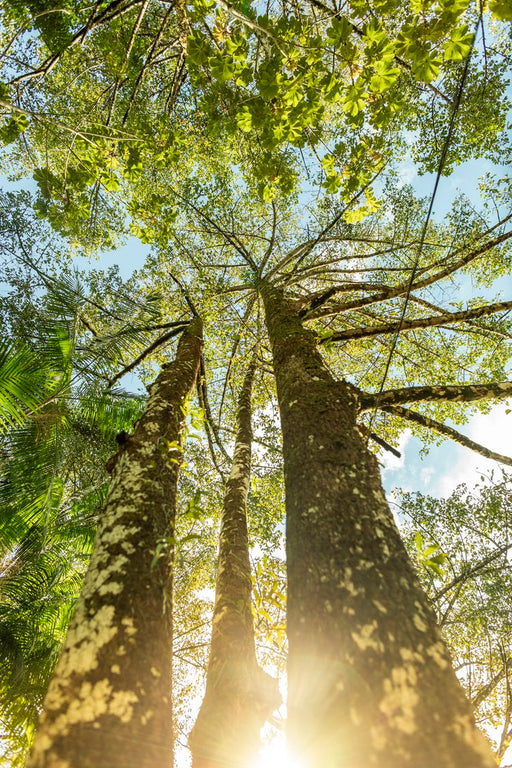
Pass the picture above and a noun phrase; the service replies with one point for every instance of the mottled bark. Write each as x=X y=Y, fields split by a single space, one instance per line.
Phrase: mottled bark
x=109 y=702
x=463 y=393
x=239 y=695
x=444 y=429
x=369 y=678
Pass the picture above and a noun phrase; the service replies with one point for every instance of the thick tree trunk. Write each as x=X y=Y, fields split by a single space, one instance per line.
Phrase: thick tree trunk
x=109 y=702
x=370 y=680
x=239 y=695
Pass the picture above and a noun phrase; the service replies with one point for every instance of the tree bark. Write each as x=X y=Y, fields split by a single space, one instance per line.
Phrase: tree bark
x=369 y=678
x=239 y=695
x=109 y=702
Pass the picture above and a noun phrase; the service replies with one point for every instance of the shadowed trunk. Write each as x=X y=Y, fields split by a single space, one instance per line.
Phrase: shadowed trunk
x=369 y=678
x=239 y=695
x=109 y=702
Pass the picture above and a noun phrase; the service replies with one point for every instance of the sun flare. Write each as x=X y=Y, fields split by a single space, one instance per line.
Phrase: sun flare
x=275 y=754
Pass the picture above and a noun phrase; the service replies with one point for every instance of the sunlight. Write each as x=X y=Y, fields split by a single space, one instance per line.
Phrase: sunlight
x=276 y=755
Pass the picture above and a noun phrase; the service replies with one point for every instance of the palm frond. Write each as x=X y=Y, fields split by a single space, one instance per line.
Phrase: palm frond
x=22 y=384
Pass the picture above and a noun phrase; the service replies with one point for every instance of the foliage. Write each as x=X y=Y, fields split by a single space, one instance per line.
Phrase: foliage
x=244 y=147
x=471 y=530
x=52 y=466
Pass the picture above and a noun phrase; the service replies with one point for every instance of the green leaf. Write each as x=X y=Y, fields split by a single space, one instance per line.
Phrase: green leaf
x=244 y=120
x=426 y=69
x=222 y=67
x=244 y=77
x=502 y=9
x=441 y=558
x=431 y=565
x=459 y=44
x=198 y=49
x=355 y=215
x=11 y=130
x=354 y=101
x=339 y=31
x=5 y=91
x=384 y=77
x=21 y=383
x=374 y=33
x=110 y=182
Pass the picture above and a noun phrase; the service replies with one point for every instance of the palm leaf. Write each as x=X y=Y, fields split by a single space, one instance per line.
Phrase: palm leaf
x=22 y=384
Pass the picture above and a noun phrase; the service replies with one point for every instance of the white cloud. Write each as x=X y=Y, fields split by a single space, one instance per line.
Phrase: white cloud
x=205 y=593
x=389 y=460
x=407 y=172
x=492 y=430
x=427 y=473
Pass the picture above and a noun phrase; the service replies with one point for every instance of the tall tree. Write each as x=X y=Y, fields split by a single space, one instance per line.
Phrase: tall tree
x=371 y=686
x=105 y=704
x=275 y=102
x=239 y=695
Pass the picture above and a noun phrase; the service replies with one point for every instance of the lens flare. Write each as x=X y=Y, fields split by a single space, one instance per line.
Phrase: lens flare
x=275 y=754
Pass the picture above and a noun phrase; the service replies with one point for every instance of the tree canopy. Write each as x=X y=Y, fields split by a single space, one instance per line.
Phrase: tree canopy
x=258 y=151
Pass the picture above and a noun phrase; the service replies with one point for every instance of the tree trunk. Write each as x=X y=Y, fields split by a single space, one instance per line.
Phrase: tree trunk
x=239 y=695
x=370 y=680
x=109 y=702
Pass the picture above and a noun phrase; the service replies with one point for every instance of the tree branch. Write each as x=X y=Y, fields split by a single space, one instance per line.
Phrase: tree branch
x=420 y=322
x=109 y=13
x=446 y=431
x=491 y=685
x=464 y=393
x=391 y=292
x=465 y=575
x=384 y=444
x=157 y=343
x=203 y=397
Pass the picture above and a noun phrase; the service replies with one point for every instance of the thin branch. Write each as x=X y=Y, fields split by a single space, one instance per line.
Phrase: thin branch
x=487 y=232
x=272 y=240
x=147 y=63
x=236 y=343
x=384 y=444
x=491 y=685
x=465 y=575
x=464 y=393
x=200 y=395
x=128 y=53
x=229 y=238
x=157 y=343
x=301 y=251
x=251 y=24
x=109 y=13
x=203 y=394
